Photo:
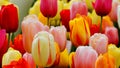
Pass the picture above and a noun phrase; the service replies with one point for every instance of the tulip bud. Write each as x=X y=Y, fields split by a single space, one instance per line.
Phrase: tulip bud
x=85 y=57
x=99 y=42
x=60 y=39
x=11 y=55
x=112 y=34
x=78 y=8
x=9 y=18
x=79 y=31
x=43 y=49
x=30 y=26
x=102 y=7
x=48 y=7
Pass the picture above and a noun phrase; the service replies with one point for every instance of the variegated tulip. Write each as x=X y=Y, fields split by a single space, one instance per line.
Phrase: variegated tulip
x=78 y=8
x=105 y=61
x=11 y=55
x=60 y=39
x=43 y=49
x=79 y=31
x=85 y=57
x=112 y=34
x=28 y=57
x=99 y=42
x=30 y=26
x=115 y=52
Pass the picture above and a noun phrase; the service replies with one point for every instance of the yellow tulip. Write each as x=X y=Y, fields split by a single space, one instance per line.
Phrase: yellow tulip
x=115 y=52
x=11 y=55
x=89 y=4
x=71 y=60
x=4 y=2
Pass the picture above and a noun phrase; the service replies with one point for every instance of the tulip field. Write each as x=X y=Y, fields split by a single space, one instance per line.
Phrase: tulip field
x=59 y=33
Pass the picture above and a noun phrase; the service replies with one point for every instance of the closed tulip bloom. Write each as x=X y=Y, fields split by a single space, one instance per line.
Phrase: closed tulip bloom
x=79 y=31
x=60 y=39
x=9 y=18
x=78 y=8
x=112 y=34
x=105 y=61
x=30 y=26
x=103 y=7
x=85 y=57
x=43 y=49
x=28 y=57
x=48 y=7
x=11 y=55
x=3 y=44
x=99 y=42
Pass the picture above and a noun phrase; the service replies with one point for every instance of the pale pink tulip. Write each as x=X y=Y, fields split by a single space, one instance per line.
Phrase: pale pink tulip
x=28 y=57
x=31 y=26
x=112 y=34
x=85 y=57
x=99 y=42
x=59 y=34
x=78 y=8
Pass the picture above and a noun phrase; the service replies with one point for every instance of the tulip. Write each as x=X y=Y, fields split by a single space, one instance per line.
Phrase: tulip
x=43 y=49
x=65 y=17
x=3 y=44
x=112 y=34
x=17 y=64
x=9 y=18
x=118 y=15
x=85 y=57
x=102 y=7
x=60 y=39
x=78 y=8
x=48 y=7
x=71 y=60
x=94 y=28
x=79 y=31
x=11 y=55
x=99 y=42
x=105 y=61
x=89 y=4
x=18 y=43
x=30 y=26
x=28 y=57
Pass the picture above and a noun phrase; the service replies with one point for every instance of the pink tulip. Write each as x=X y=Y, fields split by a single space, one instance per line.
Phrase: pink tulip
x=78 y=8
x=59 y=34
x=112 y=34
x=48 y=7
x=99 y=42
x=3 y=44
x=102 y=7
x=31 y=26
x=28 y=57
x=85 y=57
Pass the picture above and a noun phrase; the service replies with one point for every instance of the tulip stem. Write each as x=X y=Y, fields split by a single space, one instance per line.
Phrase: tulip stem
x=101 y=24
x=8 y=39
x=48 y=22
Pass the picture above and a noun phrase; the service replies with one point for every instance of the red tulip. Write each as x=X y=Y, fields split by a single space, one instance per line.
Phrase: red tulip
x=112 y=34
x=3 y=44
x=78 y=8
x=18 y=44
x=102 y=7
x=9 y=18
x=65 y=17
x=48 y=7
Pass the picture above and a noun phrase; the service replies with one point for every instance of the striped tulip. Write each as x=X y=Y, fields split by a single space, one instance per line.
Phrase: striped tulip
x=99 y=42
x=60 y=39
x=9 y=18
x=31 y=26
x=79 y=31
x=85 y=57
x=43 y=49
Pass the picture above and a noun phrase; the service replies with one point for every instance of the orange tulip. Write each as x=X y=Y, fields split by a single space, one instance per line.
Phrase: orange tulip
x=30 y=26
x=105 y=61
x=79 y=31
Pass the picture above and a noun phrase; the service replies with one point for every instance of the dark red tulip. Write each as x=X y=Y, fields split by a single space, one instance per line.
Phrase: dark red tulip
x=103 y=7
x=48 y=7
x=9 y=18
x=65 y=17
